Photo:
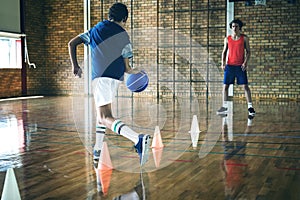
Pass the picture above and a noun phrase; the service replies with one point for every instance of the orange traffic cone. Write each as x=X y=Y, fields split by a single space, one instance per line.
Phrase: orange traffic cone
x=10 y=188
x=104 y=160
x=104 y=177
x=157 y=141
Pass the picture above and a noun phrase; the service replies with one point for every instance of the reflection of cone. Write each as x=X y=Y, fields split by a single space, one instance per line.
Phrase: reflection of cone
x=157 y=154
x=10 y=189
x=195 y=138
x=157 y=141
x=195 y=131
x=104 y=170
x=104 y=160
x=104 y=178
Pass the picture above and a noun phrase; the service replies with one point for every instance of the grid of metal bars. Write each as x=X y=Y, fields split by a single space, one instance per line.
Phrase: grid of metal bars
x=209 y=10
x=206 y=26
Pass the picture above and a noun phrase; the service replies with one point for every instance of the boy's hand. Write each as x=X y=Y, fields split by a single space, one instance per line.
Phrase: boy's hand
x=244 y=67
x=134 y=71
x=77 y=71
x=223 y=67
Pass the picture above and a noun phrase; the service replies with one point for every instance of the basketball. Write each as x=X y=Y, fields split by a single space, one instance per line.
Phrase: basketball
x=137 y=82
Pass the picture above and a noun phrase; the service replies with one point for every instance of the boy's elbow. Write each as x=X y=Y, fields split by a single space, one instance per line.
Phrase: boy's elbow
x=71 y=43
x=74 y=42
x=248 y=53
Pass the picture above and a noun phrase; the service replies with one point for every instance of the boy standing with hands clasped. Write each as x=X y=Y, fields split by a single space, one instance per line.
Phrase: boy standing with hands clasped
x=237 y=51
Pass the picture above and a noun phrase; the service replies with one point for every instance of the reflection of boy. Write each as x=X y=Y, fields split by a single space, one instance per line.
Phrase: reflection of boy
x=234 y=164
x=138 y=192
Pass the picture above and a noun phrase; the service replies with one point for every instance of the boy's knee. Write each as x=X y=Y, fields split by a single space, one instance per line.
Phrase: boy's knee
x=104 y=119
x=246 y=87
x=100 y=120
x=226 y=87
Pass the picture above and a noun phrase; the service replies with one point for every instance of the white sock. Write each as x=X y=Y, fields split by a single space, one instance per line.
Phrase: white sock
x=249 y=122
x=100 y=133
x=225 y=104
x=249 y=104
x=224 y=121
x=120 y=128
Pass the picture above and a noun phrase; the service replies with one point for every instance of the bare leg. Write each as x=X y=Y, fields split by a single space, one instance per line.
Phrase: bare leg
x=249 y=100
x=223 y=109
x=225 y=92
x=141 y=141
x=104 y=115
x=247 y=93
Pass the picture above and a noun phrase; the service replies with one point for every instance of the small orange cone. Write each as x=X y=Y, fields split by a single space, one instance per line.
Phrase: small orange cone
x=104 y=160
x=195 y=131
x=104 y=176
x=10 y=188
x=157 y=141
x=157 y=155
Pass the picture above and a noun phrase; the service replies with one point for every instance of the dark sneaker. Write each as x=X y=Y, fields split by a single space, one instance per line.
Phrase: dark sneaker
x=251 y=111
x=142 y=148
x=96 y=158
x=222 y=111
x=250 y=117
x=223 y=115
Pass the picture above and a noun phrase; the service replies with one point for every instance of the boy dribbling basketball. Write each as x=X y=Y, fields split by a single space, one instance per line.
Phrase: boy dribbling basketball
x=111 y=50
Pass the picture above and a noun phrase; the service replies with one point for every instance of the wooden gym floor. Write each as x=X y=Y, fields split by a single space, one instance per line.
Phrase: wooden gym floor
x=48 y=143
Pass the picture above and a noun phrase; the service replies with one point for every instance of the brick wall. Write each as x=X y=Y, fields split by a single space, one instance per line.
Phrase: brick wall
x=173 y=65
x=275 y=43
x=64 y=21
x=10 y=82
x=35 y=29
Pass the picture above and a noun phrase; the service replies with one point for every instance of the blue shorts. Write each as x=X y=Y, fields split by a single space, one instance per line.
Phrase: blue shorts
x=232 y=72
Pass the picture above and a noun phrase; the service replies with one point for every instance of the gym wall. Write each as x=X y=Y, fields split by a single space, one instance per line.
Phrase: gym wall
x=273 y=29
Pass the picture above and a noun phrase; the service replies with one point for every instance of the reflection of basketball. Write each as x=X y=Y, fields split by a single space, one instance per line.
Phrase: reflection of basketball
x=137 y=82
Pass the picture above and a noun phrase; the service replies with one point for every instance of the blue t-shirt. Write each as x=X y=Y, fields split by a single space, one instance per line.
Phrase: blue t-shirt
x=109 y=44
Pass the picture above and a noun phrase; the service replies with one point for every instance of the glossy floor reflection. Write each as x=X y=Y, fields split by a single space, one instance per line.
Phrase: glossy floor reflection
x=48 y=143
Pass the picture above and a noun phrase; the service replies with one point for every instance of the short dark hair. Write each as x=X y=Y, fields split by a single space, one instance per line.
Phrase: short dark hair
x=237 y=21
x=118 y=12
